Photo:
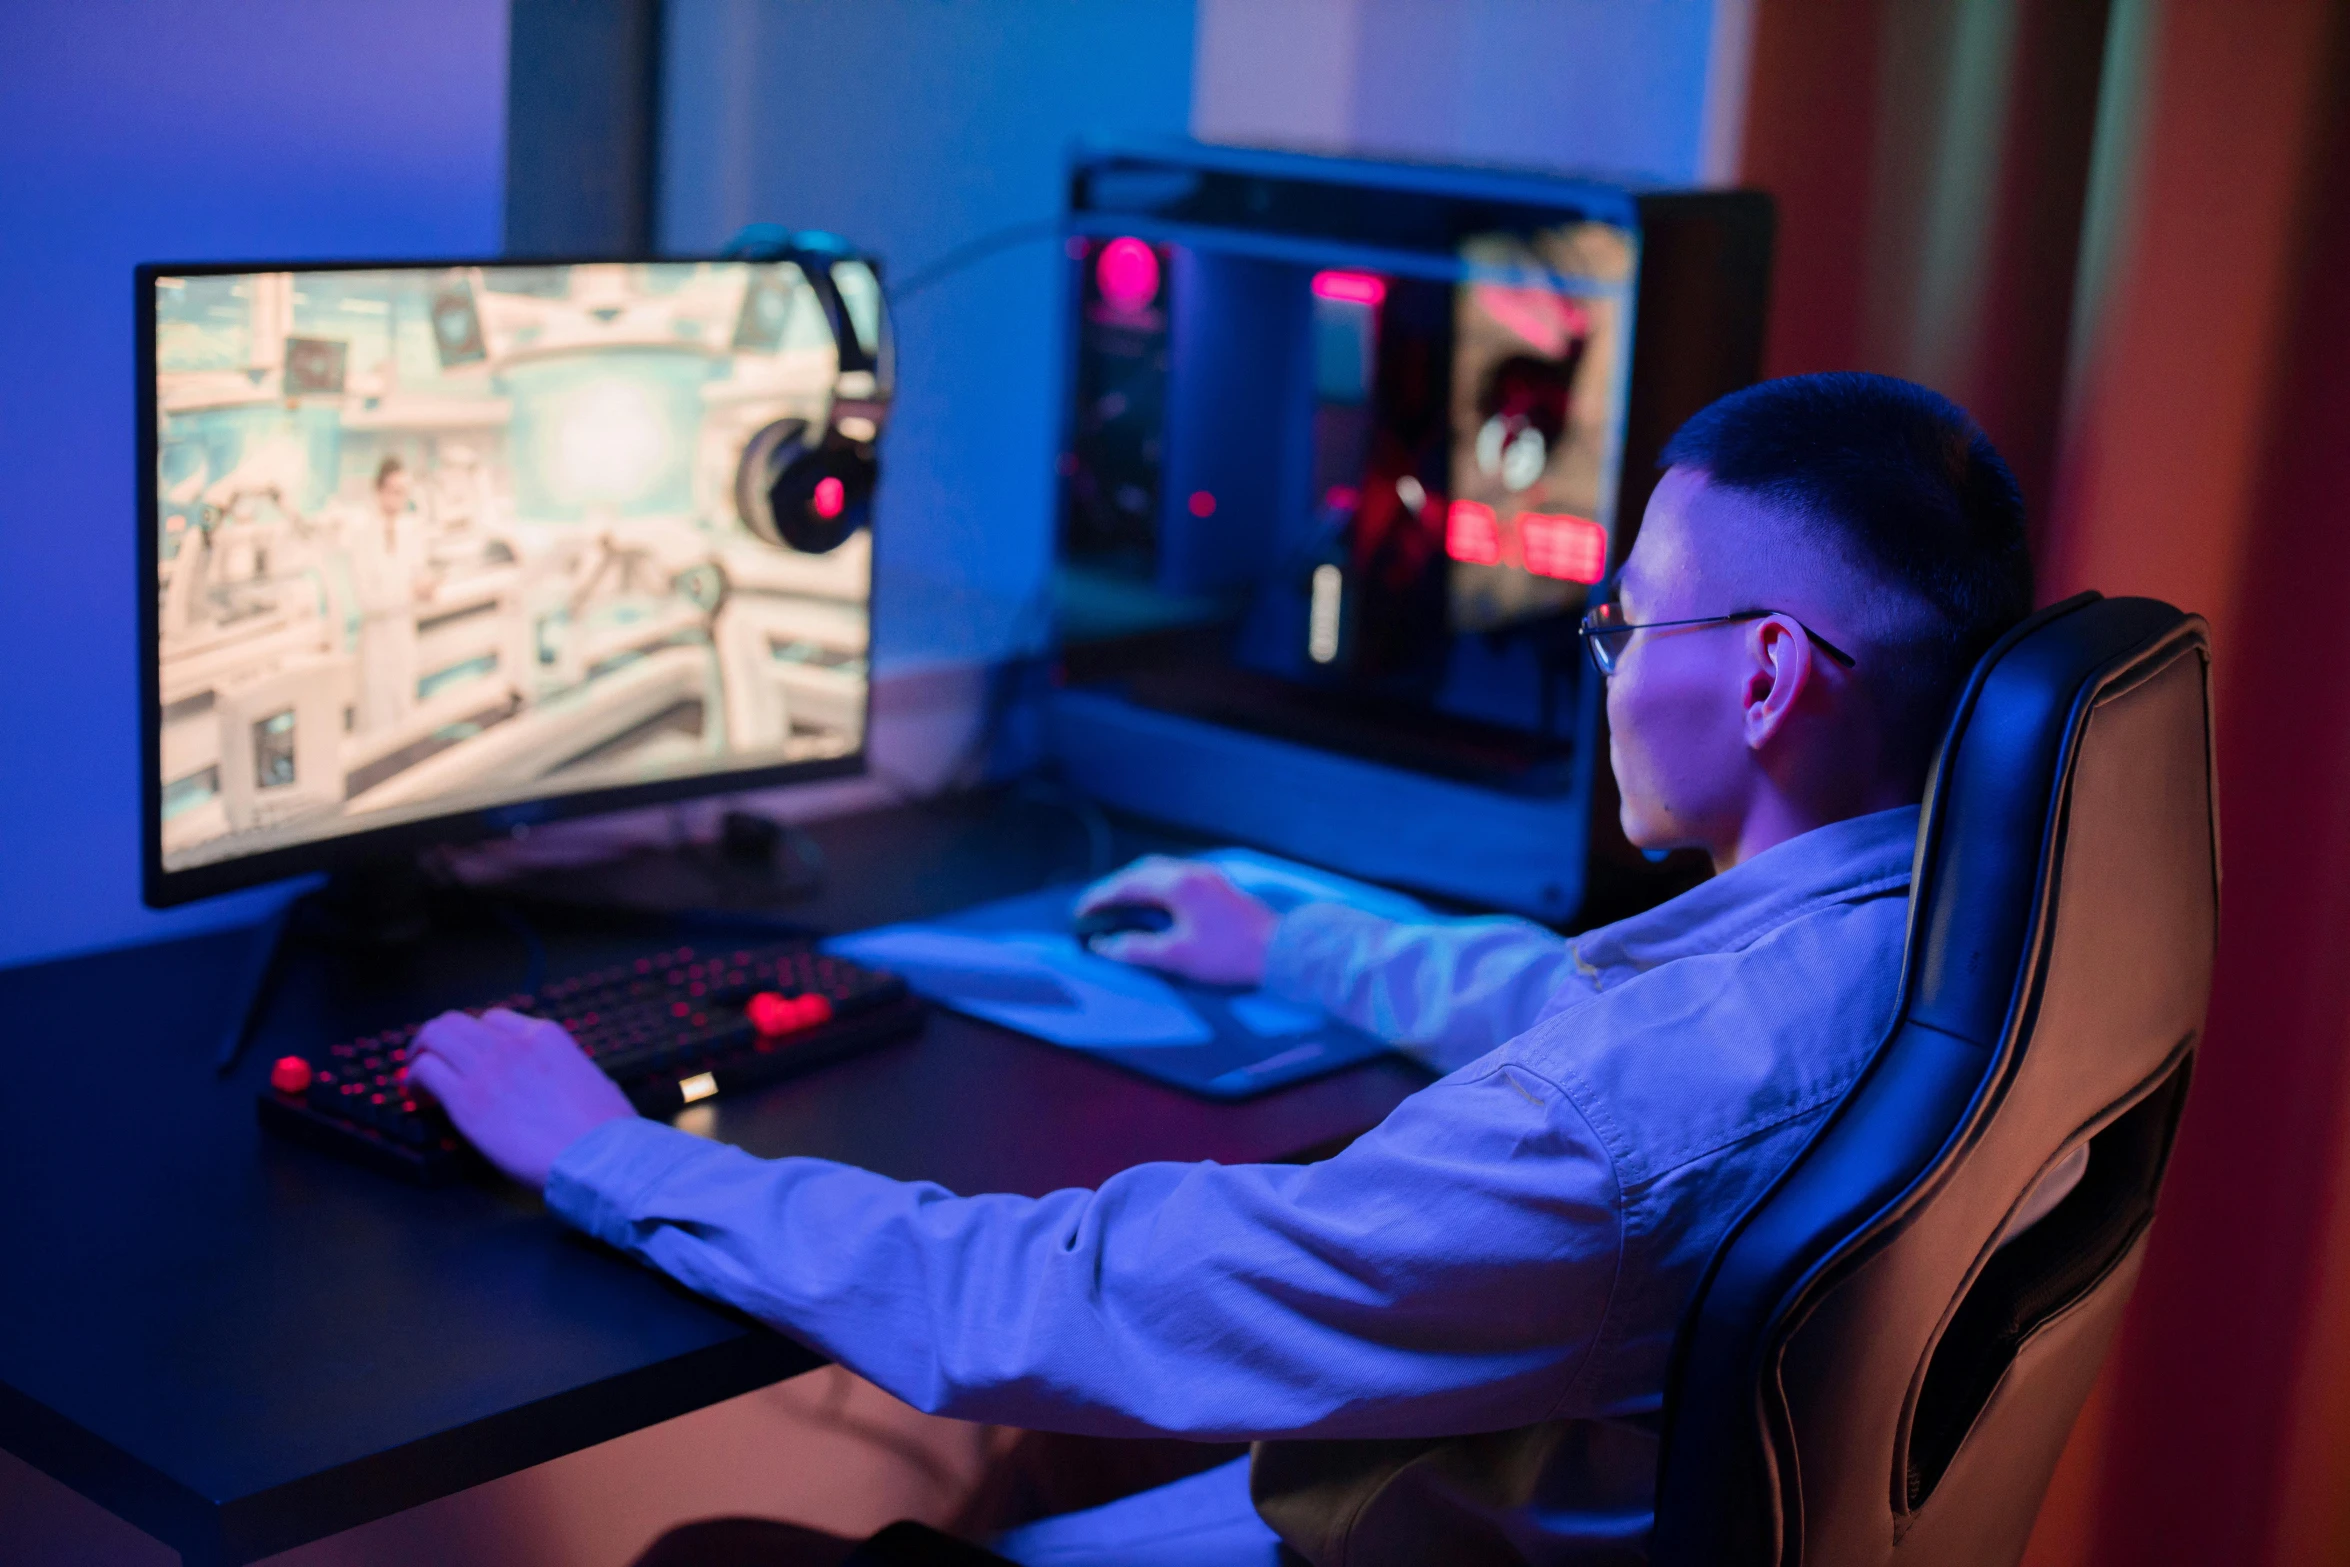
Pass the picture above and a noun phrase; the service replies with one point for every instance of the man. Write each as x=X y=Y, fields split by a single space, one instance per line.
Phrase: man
x=1450 y=1341
x=390 y=576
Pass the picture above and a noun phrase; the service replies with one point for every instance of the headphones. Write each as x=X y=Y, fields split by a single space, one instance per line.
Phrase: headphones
x=808 y=487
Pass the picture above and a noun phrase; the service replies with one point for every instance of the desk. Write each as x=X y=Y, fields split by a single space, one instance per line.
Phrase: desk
x=240 y=1345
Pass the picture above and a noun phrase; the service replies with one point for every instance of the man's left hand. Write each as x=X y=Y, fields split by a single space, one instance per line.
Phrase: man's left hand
x=519 y=1088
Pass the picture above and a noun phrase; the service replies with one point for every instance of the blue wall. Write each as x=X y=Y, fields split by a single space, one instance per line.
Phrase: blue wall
x=135 y=130
x=913 y=127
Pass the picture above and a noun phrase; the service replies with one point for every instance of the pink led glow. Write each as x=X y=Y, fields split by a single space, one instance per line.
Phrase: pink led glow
x=829 y=498
x=1127 y=272
x=1341 y=497
x=1353 y=288
x=1572 y=549
x=1550 y=322
x=1472 y=533
x=1202 y=504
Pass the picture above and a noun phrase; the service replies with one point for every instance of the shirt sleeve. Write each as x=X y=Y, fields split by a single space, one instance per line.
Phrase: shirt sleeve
x=1446 y=991
x=1448 y=1271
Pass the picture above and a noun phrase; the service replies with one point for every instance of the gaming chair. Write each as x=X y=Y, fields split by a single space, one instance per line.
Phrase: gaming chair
x=1866 y=1376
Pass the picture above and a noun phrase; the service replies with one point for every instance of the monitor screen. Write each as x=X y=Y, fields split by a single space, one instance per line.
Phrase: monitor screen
x=429 y=542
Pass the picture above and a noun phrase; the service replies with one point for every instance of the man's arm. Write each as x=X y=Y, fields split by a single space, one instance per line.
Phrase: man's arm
x=1447 y=991
x=1449 y=1271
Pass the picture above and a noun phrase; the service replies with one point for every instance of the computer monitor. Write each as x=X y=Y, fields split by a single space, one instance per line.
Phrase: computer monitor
x=433 y=551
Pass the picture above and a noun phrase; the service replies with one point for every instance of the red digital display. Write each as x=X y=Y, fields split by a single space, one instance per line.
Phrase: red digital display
x=1472 y=533
x=1572 y=549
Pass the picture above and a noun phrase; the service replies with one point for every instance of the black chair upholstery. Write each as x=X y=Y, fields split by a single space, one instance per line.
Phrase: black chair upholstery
x=910 y=1544
x=1866 y=1376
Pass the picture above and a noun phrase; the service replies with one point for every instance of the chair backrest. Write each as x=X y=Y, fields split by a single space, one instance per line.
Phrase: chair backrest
x=1867 y=1375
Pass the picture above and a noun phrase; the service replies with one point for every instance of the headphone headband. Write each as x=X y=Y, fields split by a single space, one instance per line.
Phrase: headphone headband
x=816 y=252
x=809 y=488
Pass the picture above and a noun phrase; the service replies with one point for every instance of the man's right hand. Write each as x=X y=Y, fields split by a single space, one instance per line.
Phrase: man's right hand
x=1219 y=936
x=519 y=1088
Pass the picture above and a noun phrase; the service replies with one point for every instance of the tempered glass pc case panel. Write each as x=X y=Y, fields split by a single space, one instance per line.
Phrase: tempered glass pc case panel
x=1392 y=425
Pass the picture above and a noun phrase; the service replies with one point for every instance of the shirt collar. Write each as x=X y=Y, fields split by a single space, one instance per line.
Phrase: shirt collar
x=1843 y=862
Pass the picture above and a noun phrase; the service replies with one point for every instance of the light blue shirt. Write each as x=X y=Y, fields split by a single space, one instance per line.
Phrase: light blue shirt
x=1512 y=1250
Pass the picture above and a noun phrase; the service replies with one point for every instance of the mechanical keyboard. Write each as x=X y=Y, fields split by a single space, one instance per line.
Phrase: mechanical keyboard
x=671 y=1029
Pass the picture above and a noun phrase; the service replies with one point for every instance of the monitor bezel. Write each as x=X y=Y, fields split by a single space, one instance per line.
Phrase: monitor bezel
x=164 y=888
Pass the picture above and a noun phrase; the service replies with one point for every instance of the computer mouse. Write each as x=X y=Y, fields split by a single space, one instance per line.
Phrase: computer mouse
x=1119 y=919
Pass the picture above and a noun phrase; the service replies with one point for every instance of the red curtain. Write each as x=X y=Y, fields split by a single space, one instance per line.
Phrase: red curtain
x=2120 y=233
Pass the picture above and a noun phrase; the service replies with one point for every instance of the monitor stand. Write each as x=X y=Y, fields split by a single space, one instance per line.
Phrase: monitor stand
x=755 y=865
x=381 y=906
x=386 y=909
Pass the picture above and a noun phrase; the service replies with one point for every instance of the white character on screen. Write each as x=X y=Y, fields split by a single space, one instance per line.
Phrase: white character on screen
x=390 y=575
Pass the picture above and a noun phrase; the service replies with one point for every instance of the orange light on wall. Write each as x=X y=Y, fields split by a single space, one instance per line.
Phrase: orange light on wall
x=1572 y=549
x=1472 y=533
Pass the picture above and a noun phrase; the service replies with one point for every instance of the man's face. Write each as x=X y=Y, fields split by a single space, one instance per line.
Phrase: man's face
x=1676 y=738
x=392 y=491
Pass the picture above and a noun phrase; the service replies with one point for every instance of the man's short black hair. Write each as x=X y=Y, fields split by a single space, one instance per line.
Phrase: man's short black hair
x=1904 y=483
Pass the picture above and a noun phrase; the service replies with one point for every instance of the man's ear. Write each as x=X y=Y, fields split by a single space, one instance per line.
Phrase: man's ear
x=1779 y=667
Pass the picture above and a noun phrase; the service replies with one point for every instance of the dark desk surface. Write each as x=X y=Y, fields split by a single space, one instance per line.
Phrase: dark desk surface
x=240 y=1345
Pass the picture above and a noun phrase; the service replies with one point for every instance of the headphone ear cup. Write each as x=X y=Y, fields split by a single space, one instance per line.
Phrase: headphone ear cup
x=767 y=456
x=805 y=491
x=822 y=496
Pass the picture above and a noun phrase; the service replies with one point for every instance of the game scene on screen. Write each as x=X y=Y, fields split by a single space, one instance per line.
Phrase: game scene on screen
x=1536 y=384
x=433 y=540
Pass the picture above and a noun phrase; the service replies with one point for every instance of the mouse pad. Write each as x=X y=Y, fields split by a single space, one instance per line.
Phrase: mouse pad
x=1014 y=963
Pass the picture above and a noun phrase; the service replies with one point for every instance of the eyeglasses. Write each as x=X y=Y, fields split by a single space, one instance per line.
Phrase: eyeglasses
x=1604 y=633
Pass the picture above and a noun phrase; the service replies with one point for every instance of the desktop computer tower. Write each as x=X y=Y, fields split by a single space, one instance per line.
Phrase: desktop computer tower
x=1348 y=446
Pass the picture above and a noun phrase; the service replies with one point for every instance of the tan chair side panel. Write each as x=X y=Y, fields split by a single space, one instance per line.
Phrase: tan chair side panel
x=1981 y=1514
x=2127 y=976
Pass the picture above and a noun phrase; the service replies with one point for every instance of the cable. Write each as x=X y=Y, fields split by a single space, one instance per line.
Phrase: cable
x=534 y=973
x=1029 y=642
x=806 y=850
x=970 y=252
x=1047 y=787
x=1029 y=638
x=759 y=240
x=772 y=241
